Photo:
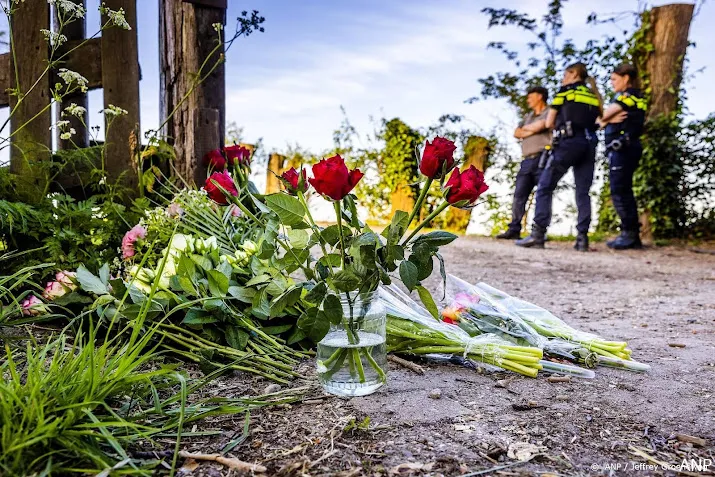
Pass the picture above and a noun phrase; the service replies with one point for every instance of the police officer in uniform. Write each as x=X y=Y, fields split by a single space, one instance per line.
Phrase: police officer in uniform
x=572 y=115
x=623 y=121
x=535 y=143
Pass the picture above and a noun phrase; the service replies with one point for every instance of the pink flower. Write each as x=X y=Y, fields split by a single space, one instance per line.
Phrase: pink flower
x=130 y=239
x=238 y=155
x=63 y=283
x=174 y=210
x=236 y=212
x=31 y=306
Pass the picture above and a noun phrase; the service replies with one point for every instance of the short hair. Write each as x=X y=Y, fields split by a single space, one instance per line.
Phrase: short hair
x=539 y=90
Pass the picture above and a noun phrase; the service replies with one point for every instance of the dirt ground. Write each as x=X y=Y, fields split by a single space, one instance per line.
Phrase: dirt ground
x=662 y=301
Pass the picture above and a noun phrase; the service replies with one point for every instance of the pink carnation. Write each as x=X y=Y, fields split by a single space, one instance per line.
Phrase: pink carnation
x=130 y=239
x=30 y=306
x=64 y=282
x=174 y=210
x=235 y=211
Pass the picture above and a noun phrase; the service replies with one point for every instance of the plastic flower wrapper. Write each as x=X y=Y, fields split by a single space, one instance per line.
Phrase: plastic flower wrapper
x=563 y=339
x=410 y=331
x=467 y=309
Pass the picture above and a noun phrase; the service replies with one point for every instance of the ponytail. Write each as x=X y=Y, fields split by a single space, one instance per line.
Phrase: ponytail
x=591 y=82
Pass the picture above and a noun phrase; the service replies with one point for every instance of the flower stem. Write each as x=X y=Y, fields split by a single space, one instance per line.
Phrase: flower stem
x=420 y=200
x=427 y=220
x=314 y=226
x=338 y=212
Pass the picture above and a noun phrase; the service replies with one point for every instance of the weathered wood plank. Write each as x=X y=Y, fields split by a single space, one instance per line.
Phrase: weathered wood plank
x=76 y=31
x=210 y=3
x=276 y=166
x=120 y=80
x=31 y=119
x=187 y=39
x=86 y=60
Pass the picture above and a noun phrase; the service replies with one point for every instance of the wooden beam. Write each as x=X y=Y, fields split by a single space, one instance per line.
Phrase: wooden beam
x=31 y=120
x=210 y=3
x=186 y=40
x=120 y=79
x=86 y=60
x=76 y=31
x=276 y=166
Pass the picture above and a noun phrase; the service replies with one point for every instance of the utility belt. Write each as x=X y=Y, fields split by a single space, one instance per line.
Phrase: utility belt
x=619 y=143
x=569 y=130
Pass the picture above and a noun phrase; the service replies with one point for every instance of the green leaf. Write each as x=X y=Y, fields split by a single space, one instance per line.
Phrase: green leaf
x=261 y=306
x=333 y=309
x=119 y=289
x=296 y=335
x=236 y=337
x=331 y=234
x=187 y=267
x=424 y=264
x=397 y=227
x=285 y=299
x=289 y=209
x=436 y=238
x=428 y=301
x=90 y=283
x=344 y=281
x=258 y=280
x=73 y=298
x=298 y=238
x=104 y=273
x=203 y=262
x=276 y=330
x=330 y=260
x=408 y=274
x=315 y=325
x=198 y=317
x=218 y=283
x=243 y=294
x=317 y=293
x=351 y=212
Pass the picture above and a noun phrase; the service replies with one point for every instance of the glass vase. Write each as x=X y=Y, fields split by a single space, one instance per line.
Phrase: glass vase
x=352 y=358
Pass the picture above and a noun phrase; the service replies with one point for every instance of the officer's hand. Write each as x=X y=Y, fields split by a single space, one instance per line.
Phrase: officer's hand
x=619 y=118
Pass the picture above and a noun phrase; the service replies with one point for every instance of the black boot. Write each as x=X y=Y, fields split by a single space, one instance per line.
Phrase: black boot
x=510 y=234
x=581 y=244
x=535 y=240
x=627 y=239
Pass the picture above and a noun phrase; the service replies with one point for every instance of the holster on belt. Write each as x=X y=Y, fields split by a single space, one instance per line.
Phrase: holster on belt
x=545 y=156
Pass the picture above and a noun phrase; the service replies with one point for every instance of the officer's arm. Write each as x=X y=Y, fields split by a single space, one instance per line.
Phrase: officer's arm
x=521 y=133
x=611 y=112
x=551 y=118
x=535 y=127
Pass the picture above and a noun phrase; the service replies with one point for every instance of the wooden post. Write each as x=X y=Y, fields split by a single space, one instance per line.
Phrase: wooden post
x=120 y=80
x=31 y=119
x=74 y=31
x=188 y=40
x=276 y=162
x=476 y=153
x=670 y=25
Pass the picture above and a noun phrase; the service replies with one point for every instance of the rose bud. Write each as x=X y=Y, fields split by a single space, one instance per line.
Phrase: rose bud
x=463 y=189
x=331 y=178
x=224 y=180
x=214 y=160
x=238 y=155
x=294 y=182
x=437 y=158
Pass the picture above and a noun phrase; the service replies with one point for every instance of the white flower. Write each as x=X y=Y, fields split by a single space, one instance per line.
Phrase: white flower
x=69 y=8
x=56 y=39
x=116 y=17
x=114 y=111
x=67 y=134
x=74 y=110
x=72 y=77
x=217 y=26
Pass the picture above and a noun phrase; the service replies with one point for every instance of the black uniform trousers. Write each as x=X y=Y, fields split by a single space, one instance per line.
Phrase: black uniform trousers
x=526 y=179
x=577 y=152
x=622 y=164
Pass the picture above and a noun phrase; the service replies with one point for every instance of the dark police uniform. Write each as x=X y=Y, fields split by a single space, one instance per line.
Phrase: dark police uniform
x=574 y=146
x=624 y=149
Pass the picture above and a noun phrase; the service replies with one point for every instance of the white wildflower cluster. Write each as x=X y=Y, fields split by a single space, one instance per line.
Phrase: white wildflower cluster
x=116 y=17
x=74 y=110
x=114 y=111
x=66 y=132
x=68 y=9
x=53 y=38
x=73 y=78
x=217 y=27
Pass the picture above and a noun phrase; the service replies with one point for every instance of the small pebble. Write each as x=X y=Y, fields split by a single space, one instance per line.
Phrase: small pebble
x=272 y=388
x=435 y=393
x=562 y=397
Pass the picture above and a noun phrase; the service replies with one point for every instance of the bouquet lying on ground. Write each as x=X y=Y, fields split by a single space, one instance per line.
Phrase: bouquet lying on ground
x=533 y=324
x=415 y=332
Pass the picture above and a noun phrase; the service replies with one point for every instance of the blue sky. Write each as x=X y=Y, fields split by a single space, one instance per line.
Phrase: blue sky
x=414 y=59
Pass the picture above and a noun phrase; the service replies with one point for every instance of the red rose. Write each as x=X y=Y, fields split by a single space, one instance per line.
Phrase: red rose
x=294 y=182
x=437 y=158
x=238 y=155
x=332 y=178
x=224 y=180
x=468 y=185
x=214 y=160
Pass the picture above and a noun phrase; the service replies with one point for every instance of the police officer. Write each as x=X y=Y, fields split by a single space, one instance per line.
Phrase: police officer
x=573 y=115
x=535 y=142
x=623 y=120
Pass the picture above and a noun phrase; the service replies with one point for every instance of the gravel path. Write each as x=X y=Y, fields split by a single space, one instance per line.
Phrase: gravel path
x=619 y=423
